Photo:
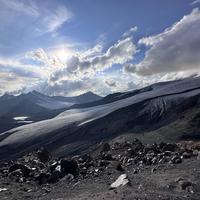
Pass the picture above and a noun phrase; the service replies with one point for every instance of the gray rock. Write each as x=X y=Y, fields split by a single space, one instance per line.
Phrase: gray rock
x=121 y=181
x=41 y=175
x=184 y=184
x=86 y=157
x=198 y=156
x=24 y=168
x=107 y=156
x=195 y=152
x=130 y=151
x=190 y=189
x=186 y=155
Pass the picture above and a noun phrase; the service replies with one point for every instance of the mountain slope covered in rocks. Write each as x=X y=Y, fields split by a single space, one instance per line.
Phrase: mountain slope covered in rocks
x=123 y=170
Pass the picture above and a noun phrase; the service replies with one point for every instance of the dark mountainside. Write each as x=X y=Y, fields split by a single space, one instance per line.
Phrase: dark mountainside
x=83 y=98
x=33 y=104
x=6 y=97
x=53 y=103
x=26 y=107
x=83 y=159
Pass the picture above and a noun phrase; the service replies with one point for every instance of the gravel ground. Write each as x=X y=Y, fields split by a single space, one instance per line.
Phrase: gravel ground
x=160 y=181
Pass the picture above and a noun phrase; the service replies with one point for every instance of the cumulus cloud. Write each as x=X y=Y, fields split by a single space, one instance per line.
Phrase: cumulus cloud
x=176 y=49
x=194 y=2
x=96 y=49
x=127 y=33
x=72 y=87
x=111 y=83
x=39 y=55
x=131 y=85
x=14 y=74
x=119 y=53
x=129 y=68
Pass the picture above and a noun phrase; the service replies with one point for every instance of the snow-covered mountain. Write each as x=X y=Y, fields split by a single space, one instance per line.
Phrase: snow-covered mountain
x=144 y=107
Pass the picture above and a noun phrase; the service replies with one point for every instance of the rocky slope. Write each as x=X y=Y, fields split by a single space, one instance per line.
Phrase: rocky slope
x=127 y=170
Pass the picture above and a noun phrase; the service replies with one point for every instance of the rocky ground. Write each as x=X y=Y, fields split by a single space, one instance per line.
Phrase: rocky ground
x=119 y=171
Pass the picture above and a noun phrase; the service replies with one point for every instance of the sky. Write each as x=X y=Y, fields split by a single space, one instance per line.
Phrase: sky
x=69 y=47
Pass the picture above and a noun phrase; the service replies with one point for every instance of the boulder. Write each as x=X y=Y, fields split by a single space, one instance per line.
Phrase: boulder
x=169 y=147
x=25 y=169
x=68 y=165
x=106 y=147
x=44 y=155
x=184 y=184
x=106 y=156
x=85 y=158
x=41 y=175
x=186 y=155
x=54 y=176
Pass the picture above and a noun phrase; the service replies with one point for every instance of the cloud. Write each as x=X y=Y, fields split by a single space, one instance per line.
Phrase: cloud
x=111 y=83
x=55 y=19
x=3 y=86
x=42 y=19
x=29 y=9
x=14 y=75
x=72 y=87
x=132 y=85
x=176 y=49
x=129 y=68
x=39 y=55
x=195 y=2
x=119 y=53
x=127 y=33
x=96 y=49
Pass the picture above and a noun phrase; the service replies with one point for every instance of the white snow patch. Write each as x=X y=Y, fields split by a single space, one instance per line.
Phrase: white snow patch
x=20 y=118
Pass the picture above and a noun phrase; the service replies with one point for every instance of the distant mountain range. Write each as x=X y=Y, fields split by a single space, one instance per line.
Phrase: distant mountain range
x=170 y=110
x=26 y=107
x=83 y=98
x=6 y=97
x=35 y=102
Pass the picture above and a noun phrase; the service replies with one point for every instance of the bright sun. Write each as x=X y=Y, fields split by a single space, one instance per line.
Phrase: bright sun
x=62 y=55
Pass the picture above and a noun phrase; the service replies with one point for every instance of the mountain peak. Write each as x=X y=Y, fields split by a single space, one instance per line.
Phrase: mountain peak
x=35 y=92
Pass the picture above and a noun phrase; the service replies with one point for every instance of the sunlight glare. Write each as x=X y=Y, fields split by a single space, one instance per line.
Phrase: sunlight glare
x=62 y=55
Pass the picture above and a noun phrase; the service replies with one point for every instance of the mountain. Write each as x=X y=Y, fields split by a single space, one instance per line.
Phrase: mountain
x=83 y=98
x=111 y=98
x=169 y=110
x=52 y=103
x=6 y=97
x=26 y=107
x=36 y=97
